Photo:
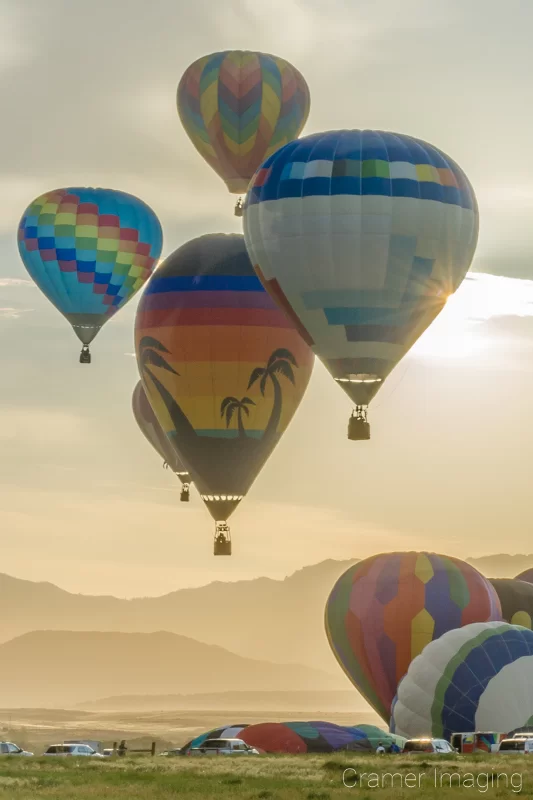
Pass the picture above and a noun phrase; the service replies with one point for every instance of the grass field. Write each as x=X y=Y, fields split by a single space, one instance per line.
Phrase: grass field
x=266 y=778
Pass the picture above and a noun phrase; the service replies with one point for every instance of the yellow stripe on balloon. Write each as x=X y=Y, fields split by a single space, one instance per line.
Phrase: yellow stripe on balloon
x=240 y=149
x=423 y=569
x=521 y=618
x=209 y=103
x=422 y=629
x=270 y=105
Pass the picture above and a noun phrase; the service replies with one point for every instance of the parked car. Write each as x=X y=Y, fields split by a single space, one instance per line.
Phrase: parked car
x=516 y=746
x=477 y=741
x=96 y=746
x=10 y=749
x=437 y=746
x=174 y=751
x=74 y=750
x=223 y=747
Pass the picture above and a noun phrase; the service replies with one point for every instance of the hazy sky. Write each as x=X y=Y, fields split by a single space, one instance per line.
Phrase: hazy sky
x=87 y=92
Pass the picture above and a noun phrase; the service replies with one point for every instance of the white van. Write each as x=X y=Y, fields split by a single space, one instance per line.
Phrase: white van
x=513 y=746
x=223 y=747
x=428 y=745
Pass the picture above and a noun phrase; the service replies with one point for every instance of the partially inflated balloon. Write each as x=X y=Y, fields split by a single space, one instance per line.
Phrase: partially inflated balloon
x=238 y=107
x=516 y=598
x=223 y=367
x=154 y=433
x=360 y=236
x=477 y=678
x=384 y=610
x=526 y=576
x=89 y=251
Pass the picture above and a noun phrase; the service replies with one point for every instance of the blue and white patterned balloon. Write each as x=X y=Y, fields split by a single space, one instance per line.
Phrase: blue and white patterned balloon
x=361 y=236
x=476 y=678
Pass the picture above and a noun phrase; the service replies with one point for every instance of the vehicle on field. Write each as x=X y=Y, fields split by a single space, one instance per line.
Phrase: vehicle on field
x=10 y=749
x=73 y=750
x=223 y=747
x=516 y=747
x=428 y=745
x=477 y=741
x=96 y=745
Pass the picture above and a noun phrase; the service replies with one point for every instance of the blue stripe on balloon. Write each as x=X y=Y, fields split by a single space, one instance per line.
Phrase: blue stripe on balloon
x=369 y=316
x=206 y=283
x=483 y=662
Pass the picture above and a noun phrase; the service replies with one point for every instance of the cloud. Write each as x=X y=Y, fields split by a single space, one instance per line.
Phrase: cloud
x=40 y=426
x=13 y=313
x=14 y=50
x=8 y=282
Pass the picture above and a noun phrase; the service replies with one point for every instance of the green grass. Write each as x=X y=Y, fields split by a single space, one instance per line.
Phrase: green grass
x=262 y=778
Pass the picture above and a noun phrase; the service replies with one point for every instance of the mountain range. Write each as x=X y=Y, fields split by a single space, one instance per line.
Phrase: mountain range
x=275 y=622
x=63 y=668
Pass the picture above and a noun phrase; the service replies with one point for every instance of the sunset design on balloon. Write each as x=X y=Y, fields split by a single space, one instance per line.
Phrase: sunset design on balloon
x=223 y=367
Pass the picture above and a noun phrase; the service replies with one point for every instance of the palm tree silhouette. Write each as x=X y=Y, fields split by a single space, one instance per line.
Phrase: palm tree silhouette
x=281 y=362
x=230 y=405
x=151 y=351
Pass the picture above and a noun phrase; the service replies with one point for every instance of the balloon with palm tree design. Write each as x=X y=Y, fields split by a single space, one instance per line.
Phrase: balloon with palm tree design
x=224 y=368
x=230 y=405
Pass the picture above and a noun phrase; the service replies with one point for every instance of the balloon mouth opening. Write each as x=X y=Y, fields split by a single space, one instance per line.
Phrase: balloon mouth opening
x=360 y=378
x=237 y=185
x=217 y=498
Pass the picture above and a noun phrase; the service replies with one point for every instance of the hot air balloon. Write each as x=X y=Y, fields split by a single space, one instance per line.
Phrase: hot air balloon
x=223 y=368
x=384 y=610
x=89 y=251
x=152 y=430
x=526 y=576
x=360 y=236
x=476 y=678
x=516 y=598
x=300 y=737
x=238 y=107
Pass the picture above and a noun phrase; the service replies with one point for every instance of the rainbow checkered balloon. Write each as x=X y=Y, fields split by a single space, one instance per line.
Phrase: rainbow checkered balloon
x=89 y=251
x=239 y=107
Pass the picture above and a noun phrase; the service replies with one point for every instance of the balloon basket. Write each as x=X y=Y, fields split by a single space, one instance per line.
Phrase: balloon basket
x=222 y=544
x=358 y=427
x=238 y=208
x=85 y=355
x=185 y=493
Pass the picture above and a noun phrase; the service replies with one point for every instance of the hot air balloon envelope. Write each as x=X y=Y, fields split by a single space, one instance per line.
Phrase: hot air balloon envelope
x=360 y=236
x=516 y=598
x=476 y=678
x=89 y=251
x=238 y=107
x=150 y=427
x=223 y=367
x=384 y=610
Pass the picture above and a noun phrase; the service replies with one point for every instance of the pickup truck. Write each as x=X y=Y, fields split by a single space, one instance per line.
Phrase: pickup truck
x=223 y=747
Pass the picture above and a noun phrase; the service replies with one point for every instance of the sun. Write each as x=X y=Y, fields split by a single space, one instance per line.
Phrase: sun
x=457 y=332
